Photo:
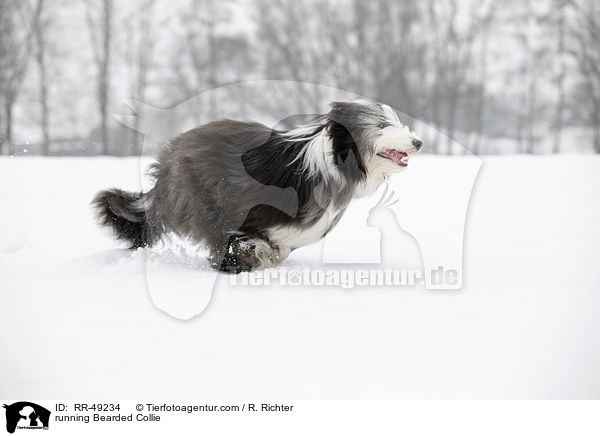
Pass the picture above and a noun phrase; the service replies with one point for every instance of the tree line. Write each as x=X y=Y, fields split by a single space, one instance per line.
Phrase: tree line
x=495 y=76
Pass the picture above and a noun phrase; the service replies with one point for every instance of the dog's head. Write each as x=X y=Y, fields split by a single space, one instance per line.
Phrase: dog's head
x=368 y=139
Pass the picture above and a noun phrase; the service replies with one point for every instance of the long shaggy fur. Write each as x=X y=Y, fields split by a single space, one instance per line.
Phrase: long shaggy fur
x=120 y=210
x=252 y=194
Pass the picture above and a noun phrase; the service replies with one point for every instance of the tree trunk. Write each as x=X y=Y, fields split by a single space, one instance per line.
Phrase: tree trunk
x=212 y=60
x=43 y=81
x=520 y=148
x=144 y=54
x=558 y=117
x=101 y=34
x=596 y=126
x=45 y=118
x=481 y=96
x=8 y=132
x=532 y=97
x=104 y=73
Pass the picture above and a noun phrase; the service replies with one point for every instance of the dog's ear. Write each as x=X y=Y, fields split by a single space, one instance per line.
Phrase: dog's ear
x=344 y=131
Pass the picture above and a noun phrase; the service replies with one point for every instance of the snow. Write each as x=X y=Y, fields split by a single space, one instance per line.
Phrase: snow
x=78 y=315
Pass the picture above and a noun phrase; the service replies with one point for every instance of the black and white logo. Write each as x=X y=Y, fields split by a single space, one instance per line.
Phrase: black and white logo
x=26 y=415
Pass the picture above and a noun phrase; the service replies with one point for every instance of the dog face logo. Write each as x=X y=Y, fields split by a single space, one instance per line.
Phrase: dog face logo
x=26 y=415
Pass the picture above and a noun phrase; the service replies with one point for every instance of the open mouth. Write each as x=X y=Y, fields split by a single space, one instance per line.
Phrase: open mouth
x=398 y=157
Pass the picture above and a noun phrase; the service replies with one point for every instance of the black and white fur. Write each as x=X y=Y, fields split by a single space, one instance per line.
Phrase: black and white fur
x=252 y=194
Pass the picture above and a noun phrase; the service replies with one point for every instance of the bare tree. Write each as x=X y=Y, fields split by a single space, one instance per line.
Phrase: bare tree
x=454 y=48
x=15 y=52
x=401 y=81
x=40 y=31
x=480 y=105
x=559 y=7
x=529 y=75
x=200 y=63
x=586 y=33
x=140 y=57
x=285 y=31
x=438 y=77
x=100 y=22
x=361 y=21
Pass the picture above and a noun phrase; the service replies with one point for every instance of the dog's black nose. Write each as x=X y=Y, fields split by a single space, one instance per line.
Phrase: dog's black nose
x=417 y=143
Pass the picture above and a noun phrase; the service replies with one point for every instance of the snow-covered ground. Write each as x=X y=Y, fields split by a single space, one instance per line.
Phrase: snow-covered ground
x=77 y=318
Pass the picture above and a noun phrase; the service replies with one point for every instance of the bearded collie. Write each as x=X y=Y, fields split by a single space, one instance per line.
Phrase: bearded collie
x=252 y=194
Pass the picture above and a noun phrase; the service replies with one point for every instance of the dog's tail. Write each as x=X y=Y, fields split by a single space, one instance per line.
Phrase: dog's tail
x=126 y=214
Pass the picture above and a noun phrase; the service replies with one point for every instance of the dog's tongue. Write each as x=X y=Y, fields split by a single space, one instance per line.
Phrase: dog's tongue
x=397 y=157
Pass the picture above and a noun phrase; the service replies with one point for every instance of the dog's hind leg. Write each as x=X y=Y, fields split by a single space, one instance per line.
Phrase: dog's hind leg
x=244 y=253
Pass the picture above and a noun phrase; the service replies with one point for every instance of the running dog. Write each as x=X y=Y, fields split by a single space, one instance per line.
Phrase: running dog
x=252 y=194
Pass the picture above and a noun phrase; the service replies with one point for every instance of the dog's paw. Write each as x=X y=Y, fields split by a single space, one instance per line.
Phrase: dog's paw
x=232 y=264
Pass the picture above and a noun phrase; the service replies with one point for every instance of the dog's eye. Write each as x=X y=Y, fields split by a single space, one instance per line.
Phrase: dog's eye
x=383 y=125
